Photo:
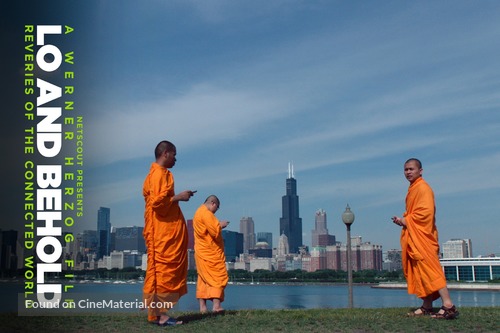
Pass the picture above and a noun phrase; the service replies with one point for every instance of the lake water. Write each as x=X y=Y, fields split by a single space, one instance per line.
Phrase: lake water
x=277 y=296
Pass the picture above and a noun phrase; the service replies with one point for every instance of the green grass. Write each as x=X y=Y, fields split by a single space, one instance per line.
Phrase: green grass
x=471 y=319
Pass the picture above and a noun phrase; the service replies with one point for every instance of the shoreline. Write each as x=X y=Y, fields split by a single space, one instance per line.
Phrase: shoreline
x=479 y=286
x=451 y=286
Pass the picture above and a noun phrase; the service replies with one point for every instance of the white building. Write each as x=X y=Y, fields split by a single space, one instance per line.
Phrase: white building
x=261 y=263
x=457 y=248
x=283 y=248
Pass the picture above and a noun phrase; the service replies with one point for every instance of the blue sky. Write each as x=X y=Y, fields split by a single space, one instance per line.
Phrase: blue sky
x=346 y=91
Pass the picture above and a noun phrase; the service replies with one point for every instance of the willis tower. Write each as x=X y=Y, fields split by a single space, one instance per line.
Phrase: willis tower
x=290 y=222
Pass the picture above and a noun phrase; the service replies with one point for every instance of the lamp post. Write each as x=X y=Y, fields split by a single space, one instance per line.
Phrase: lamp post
x=348 y=219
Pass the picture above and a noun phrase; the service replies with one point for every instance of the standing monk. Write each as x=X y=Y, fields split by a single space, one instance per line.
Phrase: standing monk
x=165 y=234
x=209 y=255
x=420 y=246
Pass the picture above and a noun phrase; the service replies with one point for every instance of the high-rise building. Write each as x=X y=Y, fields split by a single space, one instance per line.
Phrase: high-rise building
x=89 y=241
x=364 y=256
x=468 y=247
x=392 y=261
x=8 y=250
x=320 y=235
x=247 y=228
x=290 y=222
x=265 y=237
x=130 y=238
x=233 y=244
x=457 y=248
x=283 y=246
x=103 y=232
x=318 y=258
x=190 y=230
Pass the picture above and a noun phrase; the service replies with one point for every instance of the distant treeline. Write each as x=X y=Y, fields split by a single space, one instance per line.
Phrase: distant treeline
x=235 y=275
x=326 y=275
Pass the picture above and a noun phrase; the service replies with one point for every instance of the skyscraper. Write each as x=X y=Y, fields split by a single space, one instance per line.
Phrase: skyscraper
x=320 y=235
x=248 y=230
x=103 y=232
x=283 y=248
x=290 y=222
x=190 y=230
x=233 y=244
x=130 y=238
x=265 y=237
x=8 y=250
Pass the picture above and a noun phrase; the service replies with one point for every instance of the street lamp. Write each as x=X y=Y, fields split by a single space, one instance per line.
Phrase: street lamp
x=348 y=219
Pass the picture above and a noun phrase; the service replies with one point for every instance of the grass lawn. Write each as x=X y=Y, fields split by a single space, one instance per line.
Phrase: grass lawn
x=471 y=319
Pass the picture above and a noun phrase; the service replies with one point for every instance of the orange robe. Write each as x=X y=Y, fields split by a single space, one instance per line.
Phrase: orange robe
x=165 y=234
x=419 y=243
x=209 y=255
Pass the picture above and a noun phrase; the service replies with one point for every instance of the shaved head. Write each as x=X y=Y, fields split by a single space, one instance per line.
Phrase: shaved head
x=419 y=164
x=212 y=198
x=163 y=147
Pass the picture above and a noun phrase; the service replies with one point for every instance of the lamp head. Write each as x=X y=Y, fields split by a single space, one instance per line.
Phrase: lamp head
x=348 y=216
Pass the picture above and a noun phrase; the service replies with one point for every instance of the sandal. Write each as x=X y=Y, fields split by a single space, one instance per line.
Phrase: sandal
x=423 y=312
x=448 y=313
x=171 y=321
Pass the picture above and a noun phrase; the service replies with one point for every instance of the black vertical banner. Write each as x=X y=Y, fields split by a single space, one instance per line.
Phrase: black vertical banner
x=43 y=150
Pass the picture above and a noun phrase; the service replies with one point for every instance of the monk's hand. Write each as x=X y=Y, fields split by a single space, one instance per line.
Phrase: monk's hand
x=397 y=220
x=185 y=195
x=224 y=224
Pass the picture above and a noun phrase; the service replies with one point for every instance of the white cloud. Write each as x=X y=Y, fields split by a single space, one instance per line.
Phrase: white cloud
x=205 y=114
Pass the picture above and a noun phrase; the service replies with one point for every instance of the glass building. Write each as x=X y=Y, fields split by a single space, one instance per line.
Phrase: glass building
x=103 y=232
x=471 y=269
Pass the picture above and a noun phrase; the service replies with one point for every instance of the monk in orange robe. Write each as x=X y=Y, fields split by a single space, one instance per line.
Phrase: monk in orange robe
x=165 y=235
x=420 y=246
x=209 y=255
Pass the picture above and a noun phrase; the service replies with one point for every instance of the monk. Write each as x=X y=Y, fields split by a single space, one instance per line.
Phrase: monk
x=165 y=234
x=209 y=255
x=420 y=246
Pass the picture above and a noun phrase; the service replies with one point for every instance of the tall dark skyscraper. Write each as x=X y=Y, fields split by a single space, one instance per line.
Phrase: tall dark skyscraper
x=103 y=232
x=290 y=222
x=233 y=244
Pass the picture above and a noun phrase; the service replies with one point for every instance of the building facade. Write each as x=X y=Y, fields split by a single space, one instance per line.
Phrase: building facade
x=130 y=238
x=190 y=230
x=9 y=250
x=283 y=248
x=247 y=228
x=233 y=244
x=364 y=256
x=320 y=235
x=103 y=232
x=457 y=248
x=471 y=269
x=265 y=237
